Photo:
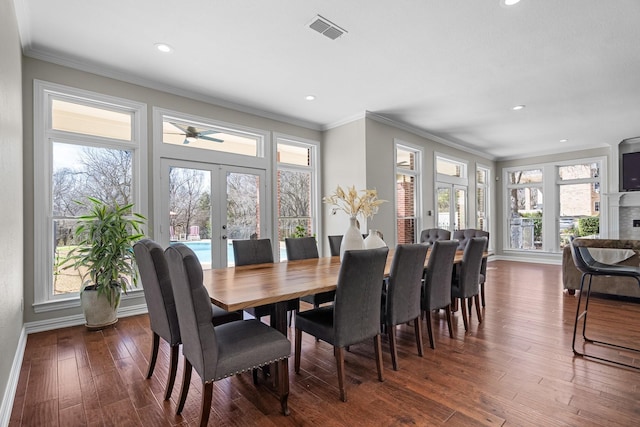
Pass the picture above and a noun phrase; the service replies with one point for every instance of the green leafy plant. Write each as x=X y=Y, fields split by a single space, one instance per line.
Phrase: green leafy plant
x=300 y=231
x=588 y=225
x=105 y=238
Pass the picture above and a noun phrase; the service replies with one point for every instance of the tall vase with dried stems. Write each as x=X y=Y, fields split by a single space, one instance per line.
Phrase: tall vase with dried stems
x=352 y=238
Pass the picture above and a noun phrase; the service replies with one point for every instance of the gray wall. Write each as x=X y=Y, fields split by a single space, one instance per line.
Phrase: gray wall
x=11 y=218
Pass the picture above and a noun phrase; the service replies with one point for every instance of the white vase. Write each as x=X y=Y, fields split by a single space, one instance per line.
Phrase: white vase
x=374 y=241
x=352 y=239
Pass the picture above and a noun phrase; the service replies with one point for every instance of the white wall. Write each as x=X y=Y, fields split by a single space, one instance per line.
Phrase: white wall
x=11 y=218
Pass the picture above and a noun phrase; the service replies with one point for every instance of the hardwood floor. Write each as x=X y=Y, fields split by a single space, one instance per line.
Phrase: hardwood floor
x=516 y=368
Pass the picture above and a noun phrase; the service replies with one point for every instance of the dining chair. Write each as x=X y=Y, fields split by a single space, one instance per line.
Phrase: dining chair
x=334 y=244
x=463 y=237
x=156 y=284
x=306 y=248
x=436 y=292
x=401 y=296
x=466 y=286
x=258 y=251
x=431 y=235
x=355 y=314
x=218 y=352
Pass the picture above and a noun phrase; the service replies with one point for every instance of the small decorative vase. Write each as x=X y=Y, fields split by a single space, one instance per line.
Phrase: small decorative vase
x=374 y=241
x=352 y=238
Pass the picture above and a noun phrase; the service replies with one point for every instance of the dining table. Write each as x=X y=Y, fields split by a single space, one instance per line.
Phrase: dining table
x=237 y=288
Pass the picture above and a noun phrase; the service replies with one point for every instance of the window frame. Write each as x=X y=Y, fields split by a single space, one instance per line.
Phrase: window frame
x=44 y=137
x=454 y=183
x=487 y=196
x=313 y=168
x=416 y=173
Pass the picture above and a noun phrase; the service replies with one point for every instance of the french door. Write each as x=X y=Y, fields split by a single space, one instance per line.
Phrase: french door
x=451 y=201
x=206 y=206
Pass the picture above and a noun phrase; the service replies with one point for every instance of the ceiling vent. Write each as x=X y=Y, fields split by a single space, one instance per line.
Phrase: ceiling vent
x=326 y=27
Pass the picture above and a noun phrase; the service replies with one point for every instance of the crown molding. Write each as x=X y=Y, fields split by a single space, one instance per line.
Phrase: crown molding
x=108 y=72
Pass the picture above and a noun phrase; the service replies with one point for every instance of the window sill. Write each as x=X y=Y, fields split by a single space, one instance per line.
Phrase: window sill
x=73 y=302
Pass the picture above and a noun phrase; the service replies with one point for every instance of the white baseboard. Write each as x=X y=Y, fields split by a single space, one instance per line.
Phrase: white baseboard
x=533 y=260
x=14 y=377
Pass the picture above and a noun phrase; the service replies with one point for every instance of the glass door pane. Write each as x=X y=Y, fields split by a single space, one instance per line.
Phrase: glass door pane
x=460 y=213
x=444 y=207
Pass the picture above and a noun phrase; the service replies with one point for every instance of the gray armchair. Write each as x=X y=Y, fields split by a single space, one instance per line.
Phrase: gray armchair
x=465 y=285
x=306 y=248
x=431 y=235
x=463 y=237
x=355 y=314
x=436 y=293
x=217 y=352
x=156 y=283
x=258 y=251
x=401 y=303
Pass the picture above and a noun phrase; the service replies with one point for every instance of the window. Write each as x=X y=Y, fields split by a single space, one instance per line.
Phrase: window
x=296 y=189
x=176 y=131
x=482 y=197
x=407 y=193
x=451 y=193
x=569 y=192
x=88 y=146
x=524 y=189
x=579 y=191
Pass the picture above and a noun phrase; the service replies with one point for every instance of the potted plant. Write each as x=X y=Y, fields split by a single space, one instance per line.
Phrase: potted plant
x=104 y=256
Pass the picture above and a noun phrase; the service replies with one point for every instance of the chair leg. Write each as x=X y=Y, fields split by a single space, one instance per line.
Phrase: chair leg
x=391 y=332
x=298 y=349
x=430 y=330
x=186 y=380
x=463 y=308
x=418 y=329
x=447 y=310
x=205 y=409
x=339 y=353
x=173 y=368
x=478 y=312
x=154 y=354
x=377 y=343
x=482 y=292
x=283 y=378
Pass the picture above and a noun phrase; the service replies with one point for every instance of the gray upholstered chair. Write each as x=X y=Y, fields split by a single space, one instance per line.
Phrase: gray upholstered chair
x=258 y=251
x=431 y=235
x=401 y=302
x=217 y=352
x=355 y=314
x=156 y=283
x=463 y=237
x=466 y=285
x=306 y=248
x=334 y=244
x=436 y=293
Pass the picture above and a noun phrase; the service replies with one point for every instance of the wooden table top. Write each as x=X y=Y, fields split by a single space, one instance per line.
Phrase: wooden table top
x=237 y=288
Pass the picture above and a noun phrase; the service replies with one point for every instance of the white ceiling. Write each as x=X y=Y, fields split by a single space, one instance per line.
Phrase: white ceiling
x=449 y=68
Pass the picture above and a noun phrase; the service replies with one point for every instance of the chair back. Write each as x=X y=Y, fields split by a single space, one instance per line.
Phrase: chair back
x=252 y=251
x=463 y=237
x=437 y=277
x=301 y=248
x=156 y=283
x=468 y=280
x=432 y=235
x=193 y=306
x=334 y=244
x=405 y=284
x=356 y=315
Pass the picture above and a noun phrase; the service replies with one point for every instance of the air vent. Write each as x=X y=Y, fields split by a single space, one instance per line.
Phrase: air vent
x=326 y=27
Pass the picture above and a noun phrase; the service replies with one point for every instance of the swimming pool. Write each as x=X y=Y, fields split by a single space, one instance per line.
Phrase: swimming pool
x=202 y=249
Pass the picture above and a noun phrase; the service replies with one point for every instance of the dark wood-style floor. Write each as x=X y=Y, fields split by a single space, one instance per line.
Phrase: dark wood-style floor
x=516 y=368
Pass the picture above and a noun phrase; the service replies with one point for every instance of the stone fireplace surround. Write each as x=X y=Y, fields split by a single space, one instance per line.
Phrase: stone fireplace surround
x=624 y=208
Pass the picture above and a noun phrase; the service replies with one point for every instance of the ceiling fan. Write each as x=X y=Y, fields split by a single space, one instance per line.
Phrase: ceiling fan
x=191 y=133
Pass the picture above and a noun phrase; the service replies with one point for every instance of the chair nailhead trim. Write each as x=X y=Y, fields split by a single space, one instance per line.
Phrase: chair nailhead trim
x=250 y=369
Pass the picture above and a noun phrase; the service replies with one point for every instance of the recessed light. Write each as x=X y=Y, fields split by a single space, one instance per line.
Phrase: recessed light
x=510 y=2
x=518 y=107
x=310 y=97
x=564 y=140
x=163 y=47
